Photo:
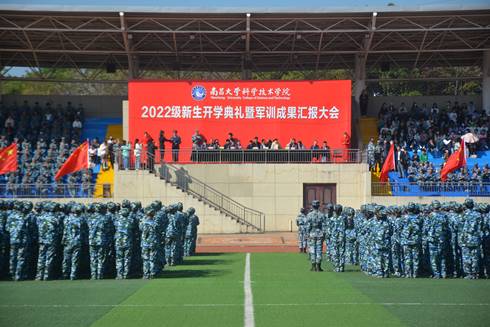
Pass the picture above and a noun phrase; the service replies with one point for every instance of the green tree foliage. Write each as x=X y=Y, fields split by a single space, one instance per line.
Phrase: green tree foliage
x=395 y=81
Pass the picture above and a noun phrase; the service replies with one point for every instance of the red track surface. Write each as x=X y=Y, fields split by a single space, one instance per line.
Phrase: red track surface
x=270 y=242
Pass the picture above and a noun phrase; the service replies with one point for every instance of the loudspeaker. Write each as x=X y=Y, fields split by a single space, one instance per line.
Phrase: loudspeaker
x=385 y=66
x=110 y=68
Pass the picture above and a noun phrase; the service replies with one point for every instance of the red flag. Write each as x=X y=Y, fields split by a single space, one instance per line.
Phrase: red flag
x=8 y=159
x=455 y=161
x=389 y=164
x=78 y=160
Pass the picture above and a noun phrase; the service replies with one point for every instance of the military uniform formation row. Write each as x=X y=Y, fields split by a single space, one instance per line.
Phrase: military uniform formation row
x=51 y=240
x=436 y=240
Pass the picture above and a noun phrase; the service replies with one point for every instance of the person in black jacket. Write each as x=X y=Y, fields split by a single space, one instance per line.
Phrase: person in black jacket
x=176 y=140
x=150 y=160
x=161 y=145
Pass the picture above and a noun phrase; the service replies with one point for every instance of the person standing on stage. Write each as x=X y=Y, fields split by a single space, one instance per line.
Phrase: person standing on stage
x=176 y=140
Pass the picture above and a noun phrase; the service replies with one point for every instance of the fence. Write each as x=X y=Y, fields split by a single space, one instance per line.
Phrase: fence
x=431 y=189
x=180 y=178
x=55 y=190
x=218 y=156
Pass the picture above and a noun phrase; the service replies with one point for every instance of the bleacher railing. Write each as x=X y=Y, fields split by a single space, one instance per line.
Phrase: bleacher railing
x=239 y=156
x=180 y=178
x=55 y=190
x=431 y=189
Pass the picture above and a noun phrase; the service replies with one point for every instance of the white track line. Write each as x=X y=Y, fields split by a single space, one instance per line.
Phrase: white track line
x=249 y=320
x=191 y=305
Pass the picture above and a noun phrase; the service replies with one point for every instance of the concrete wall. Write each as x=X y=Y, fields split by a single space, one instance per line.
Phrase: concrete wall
x=276 y=190
x=376 y=102
x=95 y=106
x=145 y=187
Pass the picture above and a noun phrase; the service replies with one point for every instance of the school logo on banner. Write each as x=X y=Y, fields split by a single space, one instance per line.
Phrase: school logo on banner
x=198 y=93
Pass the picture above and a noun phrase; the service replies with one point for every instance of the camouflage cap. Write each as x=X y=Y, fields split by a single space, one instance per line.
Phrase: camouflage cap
x=469 y=203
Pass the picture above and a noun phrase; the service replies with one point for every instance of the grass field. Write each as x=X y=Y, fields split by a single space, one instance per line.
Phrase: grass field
x=208 y=291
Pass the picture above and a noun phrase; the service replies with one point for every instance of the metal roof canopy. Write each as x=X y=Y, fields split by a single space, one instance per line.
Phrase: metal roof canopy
x=224 y=42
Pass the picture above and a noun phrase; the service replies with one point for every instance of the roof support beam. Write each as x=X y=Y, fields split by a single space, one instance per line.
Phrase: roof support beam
x=132 y=73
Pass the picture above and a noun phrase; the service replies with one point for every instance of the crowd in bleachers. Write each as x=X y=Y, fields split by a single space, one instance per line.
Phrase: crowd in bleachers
x=45 y=137
x=422 y=134
x=436 y=129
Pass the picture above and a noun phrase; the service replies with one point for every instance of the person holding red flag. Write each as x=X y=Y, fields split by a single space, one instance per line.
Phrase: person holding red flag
x=77 y=161
x=389 y=164
x=456 y=161
x=8 y=159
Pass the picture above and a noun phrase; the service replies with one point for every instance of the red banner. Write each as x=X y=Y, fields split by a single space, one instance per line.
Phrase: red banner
x=304 y=110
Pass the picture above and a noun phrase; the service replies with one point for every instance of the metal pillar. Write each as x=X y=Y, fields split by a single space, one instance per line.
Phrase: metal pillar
x=359 y=78
x=486 y=82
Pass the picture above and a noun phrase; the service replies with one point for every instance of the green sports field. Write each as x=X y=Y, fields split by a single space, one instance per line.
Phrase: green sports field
x=208 y=290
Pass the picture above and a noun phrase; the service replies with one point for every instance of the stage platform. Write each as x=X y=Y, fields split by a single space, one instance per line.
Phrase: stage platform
x=254 y=243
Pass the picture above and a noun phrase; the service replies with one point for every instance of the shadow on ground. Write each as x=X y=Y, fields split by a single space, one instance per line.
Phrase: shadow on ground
x=186 y=273
x=203 y=262
x=205 y=254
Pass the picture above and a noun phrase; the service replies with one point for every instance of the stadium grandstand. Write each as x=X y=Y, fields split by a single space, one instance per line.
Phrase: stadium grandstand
x=119 y=119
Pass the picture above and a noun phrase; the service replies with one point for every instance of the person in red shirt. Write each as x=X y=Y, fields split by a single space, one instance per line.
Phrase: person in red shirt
x=346 y=145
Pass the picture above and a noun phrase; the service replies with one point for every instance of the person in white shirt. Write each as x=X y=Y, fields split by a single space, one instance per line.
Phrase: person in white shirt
x=138 y=147
x=275 y=145
x=77 y=128
x=9 y=122
x=102 y=153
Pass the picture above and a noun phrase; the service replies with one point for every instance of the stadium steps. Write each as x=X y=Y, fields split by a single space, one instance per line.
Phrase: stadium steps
x=98 y=127
x=384 y=190
x=211 y=220
x=208 y=202
x=104 y=177
x=369 y=128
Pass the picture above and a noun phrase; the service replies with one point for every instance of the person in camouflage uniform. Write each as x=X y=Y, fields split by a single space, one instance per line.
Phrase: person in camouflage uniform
x=17 y=227
x=361 y=221
x=351 y=243
x=382 y=243
x=32 y=248
x=471 y=240
x=150 y=241
x=315 y=228
x=337 y=236
x=110 y=240
x=124 y=240
x=411 y=241
x=425 y=266
x=100 y=227
x=455 y=219
x=191 y=233
x=172 y=233
x=4 y=241
x=61 y=211
x=162 y=221
x=74 y=238
x=48 y=229
x=327 y=230
x=396 y=223
x=136 y=264
x=486 y=238
x=301 y=224
x=183 y=220
x=438 y=240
